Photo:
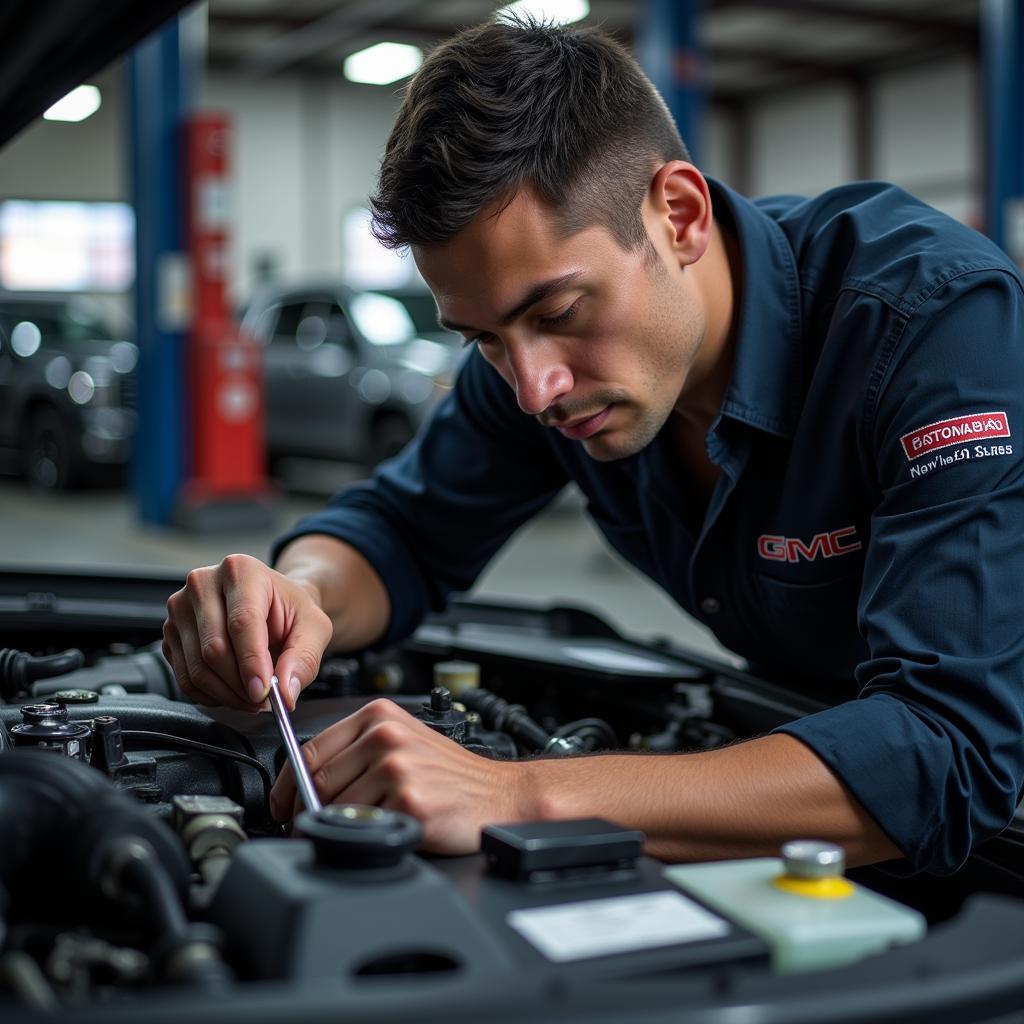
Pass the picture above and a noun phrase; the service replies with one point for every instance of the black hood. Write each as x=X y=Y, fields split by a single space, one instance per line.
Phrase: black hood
x=47 y=47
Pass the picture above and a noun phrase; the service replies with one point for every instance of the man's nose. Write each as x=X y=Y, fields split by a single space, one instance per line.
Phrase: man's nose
x=539 y=378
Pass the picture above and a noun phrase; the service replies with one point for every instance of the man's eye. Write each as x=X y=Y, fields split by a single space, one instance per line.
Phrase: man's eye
x=562 y=318
x=548 y=321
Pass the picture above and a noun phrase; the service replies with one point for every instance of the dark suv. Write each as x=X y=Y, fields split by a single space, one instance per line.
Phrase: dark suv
x=67 y=389
x=347 y=376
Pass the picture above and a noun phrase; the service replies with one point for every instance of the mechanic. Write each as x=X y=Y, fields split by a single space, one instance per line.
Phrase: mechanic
x=800 y=417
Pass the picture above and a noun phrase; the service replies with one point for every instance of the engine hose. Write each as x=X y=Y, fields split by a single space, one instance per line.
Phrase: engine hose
x=183 y=953
x=42 y=798
x=593 y=734
x=21 y=974
x=496 y=713
x=130 y=868
x=18 y=669
x=57 y=816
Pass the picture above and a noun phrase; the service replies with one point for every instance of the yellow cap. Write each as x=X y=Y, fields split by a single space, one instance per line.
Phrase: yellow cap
x=814 y=869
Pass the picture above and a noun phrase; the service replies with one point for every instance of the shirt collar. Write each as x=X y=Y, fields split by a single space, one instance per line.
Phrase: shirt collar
x=764 y=389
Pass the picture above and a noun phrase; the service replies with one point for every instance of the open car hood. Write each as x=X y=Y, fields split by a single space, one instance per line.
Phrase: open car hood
x=51 y=46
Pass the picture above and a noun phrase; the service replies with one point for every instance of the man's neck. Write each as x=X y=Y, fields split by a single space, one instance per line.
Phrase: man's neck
x=718 y=280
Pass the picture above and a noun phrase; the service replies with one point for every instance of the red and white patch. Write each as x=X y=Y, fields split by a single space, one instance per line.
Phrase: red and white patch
x=956 y=430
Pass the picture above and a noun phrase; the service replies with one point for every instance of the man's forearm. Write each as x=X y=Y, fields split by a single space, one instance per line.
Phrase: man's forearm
x=345 y=586
x=740 y=801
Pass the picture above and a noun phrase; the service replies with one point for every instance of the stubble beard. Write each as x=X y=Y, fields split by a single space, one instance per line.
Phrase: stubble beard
x=623 y=442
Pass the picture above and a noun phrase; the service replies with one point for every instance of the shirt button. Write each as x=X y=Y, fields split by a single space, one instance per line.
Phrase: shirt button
x=710 y=606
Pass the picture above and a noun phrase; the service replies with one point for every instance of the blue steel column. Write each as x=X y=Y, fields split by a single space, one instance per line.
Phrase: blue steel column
x=1002 y=40
x=157 y=101
x=668 y=52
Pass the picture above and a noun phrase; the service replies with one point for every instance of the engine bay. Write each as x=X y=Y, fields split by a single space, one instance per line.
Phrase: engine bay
x=141 y=870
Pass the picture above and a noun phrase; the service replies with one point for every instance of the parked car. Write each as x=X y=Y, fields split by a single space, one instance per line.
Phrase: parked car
x=346 y=375
x=420 y=306
x=67 y=388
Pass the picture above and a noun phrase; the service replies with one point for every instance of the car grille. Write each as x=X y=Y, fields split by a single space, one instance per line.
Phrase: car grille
x=128 y=391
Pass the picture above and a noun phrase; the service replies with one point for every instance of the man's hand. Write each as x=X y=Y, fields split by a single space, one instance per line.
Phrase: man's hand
x=234 y=625
x=383 y=756
x=740 y=801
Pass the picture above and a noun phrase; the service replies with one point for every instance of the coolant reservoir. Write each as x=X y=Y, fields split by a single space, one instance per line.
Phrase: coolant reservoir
x=801 y=904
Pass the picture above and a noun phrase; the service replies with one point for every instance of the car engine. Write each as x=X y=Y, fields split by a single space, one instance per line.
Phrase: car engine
x=141 y=871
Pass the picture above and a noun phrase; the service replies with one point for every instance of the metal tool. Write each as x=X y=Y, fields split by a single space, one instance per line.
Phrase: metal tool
x=284 y=724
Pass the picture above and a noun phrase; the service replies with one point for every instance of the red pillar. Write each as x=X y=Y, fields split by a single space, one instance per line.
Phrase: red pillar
x=228 y=487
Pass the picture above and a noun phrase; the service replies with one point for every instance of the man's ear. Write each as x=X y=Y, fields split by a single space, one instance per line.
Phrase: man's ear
x=679 y=207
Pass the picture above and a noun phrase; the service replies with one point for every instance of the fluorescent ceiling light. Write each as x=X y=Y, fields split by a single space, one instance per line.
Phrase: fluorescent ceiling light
x=550 y=12
x=76 y=106
x=383 y=63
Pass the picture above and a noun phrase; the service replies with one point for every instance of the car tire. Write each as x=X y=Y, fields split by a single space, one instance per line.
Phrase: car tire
x=49 y=461
x=391 y=434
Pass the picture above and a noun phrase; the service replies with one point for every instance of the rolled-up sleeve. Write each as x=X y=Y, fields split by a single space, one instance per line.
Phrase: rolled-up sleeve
x=933 y=748
x=429 y=520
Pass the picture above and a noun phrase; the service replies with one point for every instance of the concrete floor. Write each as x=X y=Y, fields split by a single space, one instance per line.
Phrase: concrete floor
x=559 y=557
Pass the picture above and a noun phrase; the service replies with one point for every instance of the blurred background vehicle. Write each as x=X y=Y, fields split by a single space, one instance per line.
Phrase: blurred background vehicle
x=420 y=306
x=67 y=389
x=346 y=374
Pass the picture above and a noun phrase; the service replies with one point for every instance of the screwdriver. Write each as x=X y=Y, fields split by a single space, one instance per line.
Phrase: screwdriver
x=302 y=777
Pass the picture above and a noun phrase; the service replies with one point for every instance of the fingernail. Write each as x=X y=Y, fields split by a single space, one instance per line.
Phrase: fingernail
x=294 y=688
x=257 y=690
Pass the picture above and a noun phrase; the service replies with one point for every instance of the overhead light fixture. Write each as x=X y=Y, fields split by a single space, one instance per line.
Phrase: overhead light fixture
x=550 y=12
x=79 y=104
x=383 y=63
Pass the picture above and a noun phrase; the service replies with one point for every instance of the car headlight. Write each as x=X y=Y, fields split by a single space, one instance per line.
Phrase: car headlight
x=81 y=387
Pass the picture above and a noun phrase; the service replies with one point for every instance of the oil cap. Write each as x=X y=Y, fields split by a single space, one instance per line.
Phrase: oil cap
x=46 y=726
x=359 y=836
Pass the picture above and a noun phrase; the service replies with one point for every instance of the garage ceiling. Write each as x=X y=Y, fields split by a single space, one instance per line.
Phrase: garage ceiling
x=754 y=46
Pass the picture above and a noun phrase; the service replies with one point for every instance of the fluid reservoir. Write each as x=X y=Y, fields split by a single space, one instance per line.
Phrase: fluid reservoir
x=457 y=676
x=811 y=916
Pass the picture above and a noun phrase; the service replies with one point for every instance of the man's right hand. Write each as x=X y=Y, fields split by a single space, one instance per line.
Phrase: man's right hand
x=234 y=625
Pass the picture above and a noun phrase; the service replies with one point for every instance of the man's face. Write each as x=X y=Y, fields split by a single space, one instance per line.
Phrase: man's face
x=595 y=341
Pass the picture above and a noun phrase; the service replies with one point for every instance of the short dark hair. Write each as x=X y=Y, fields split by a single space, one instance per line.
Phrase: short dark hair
x=513 y=104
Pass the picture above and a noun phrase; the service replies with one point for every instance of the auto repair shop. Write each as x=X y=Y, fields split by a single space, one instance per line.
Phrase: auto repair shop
x=504 y=510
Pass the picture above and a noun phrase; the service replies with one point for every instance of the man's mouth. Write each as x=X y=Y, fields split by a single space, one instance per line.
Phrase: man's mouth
x=584 y=427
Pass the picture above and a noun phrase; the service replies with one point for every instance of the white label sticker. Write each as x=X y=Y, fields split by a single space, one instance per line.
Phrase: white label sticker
x=622 y=924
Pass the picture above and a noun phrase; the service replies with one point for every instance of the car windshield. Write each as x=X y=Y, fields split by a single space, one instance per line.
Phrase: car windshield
x=68 y=322
x=381 y=319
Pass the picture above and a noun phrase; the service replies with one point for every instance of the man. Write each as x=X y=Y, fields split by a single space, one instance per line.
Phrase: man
x=799 y=417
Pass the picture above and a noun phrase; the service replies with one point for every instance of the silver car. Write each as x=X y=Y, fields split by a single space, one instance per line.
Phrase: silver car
x=346 y=375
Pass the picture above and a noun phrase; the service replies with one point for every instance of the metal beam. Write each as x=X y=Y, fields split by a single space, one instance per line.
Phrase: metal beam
x=951 y=30
x=668 y=51
x=158 y=96
x=323 y=33
x=846 y=73
x=1003 y=52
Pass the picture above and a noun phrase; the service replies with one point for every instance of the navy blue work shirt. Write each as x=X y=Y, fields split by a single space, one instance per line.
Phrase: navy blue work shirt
x=866 y=535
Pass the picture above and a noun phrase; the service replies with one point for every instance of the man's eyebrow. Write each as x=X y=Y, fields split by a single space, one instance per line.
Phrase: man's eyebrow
x=535 y=294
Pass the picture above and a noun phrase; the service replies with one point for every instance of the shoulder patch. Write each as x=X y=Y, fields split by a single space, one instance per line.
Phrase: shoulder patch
x=956 y=430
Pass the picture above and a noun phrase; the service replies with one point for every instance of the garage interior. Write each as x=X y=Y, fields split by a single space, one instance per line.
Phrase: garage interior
x=201 y=342
x=793 y=96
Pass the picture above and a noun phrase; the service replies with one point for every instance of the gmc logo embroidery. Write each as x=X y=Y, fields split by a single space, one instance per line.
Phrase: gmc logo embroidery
x=957 y=430
x=822 y=545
